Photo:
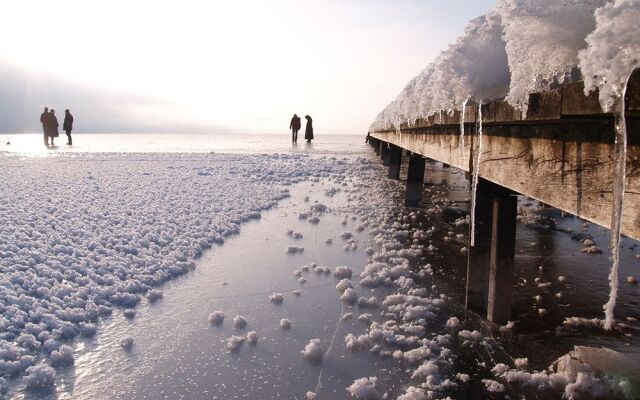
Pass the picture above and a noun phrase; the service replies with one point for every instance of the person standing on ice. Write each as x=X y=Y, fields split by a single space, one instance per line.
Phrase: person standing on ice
x=295 y=127
x=308 y=132
x=53 y=126
x=44 y=119
x=67 y=125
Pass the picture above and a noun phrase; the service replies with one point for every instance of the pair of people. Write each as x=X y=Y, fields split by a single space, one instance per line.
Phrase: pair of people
x=295 y=126
x=50 y=125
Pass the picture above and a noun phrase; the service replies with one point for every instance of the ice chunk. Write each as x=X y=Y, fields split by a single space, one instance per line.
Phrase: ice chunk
x=154 y=295
x=40 y=377
x=239 y=322
x=285 y=323
x=349 y=296
x=313 y=350
x=493 y=386
x=235 y=342
x=342 y=272
x=276 y=298
x=62 y=357
x=364 y=388
x=252 y=337
x=126 y=343
x=216 y=318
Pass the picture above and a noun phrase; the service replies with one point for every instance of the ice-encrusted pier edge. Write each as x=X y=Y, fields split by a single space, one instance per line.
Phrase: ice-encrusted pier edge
x=559 y=152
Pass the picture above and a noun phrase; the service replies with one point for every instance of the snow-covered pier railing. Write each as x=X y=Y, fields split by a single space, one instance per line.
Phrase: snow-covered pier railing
x=560 y=152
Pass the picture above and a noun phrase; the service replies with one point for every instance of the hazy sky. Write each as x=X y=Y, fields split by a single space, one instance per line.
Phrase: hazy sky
x=238 y=65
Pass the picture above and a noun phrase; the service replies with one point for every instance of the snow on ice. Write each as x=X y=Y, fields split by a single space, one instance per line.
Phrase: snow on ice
x=313 y=350
x=83 y=235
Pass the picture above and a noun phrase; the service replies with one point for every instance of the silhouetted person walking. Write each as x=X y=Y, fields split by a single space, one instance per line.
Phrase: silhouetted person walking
x=44 y=119
x=53 y=126
x=295 y=127
x=67 y=125
x=308 y=131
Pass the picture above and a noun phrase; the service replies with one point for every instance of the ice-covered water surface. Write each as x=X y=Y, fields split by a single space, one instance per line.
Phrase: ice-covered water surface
x=336 y=283
x=84 y=235
x=31 y=144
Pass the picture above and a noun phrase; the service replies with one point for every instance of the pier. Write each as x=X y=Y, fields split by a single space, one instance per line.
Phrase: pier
x=561 y=153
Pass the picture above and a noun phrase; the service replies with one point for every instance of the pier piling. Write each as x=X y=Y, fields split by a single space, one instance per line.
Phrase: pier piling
x=415 y=181
x=503 y=245
x=490 y=262
x=385 y=153
x=479 y=256
x=395 y=159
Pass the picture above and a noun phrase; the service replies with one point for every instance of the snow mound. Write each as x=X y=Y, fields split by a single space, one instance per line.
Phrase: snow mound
x=216 y=318
x=364 y=388
x=413 y=393
x=313 y=350
x=285 y=323
x=239 y=322
x=276 y=298
x=612 y=50
x=40 y=377
x=342 y=272
x=349 y=296
x=234 y=343
x=295 y=250
x=126 y=343
x=154 y=295
x=525 y=46
x=62 y=357
x=252 y=337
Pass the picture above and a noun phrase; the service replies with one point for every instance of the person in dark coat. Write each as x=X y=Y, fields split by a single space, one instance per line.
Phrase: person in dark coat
x=53 y=126
x=67 y=125
x=308 y=131
x=44 y=119
x=295 y=127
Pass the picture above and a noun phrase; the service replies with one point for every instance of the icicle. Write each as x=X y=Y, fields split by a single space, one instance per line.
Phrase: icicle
x=475 y=177
x=464 y=104
x=619 y=172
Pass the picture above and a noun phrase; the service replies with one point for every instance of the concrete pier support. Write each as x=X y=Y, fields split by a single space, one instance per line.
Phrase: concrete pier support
x=415 y=181
x=385 y=153
x=503 y=244
x=395 y=159
x=490 y=263
x=479 y=256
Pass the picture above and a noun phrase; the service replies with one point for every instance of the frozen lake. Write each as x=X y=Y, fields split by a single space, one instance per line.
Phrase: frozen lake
x=107 y=228
x=31 y=144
